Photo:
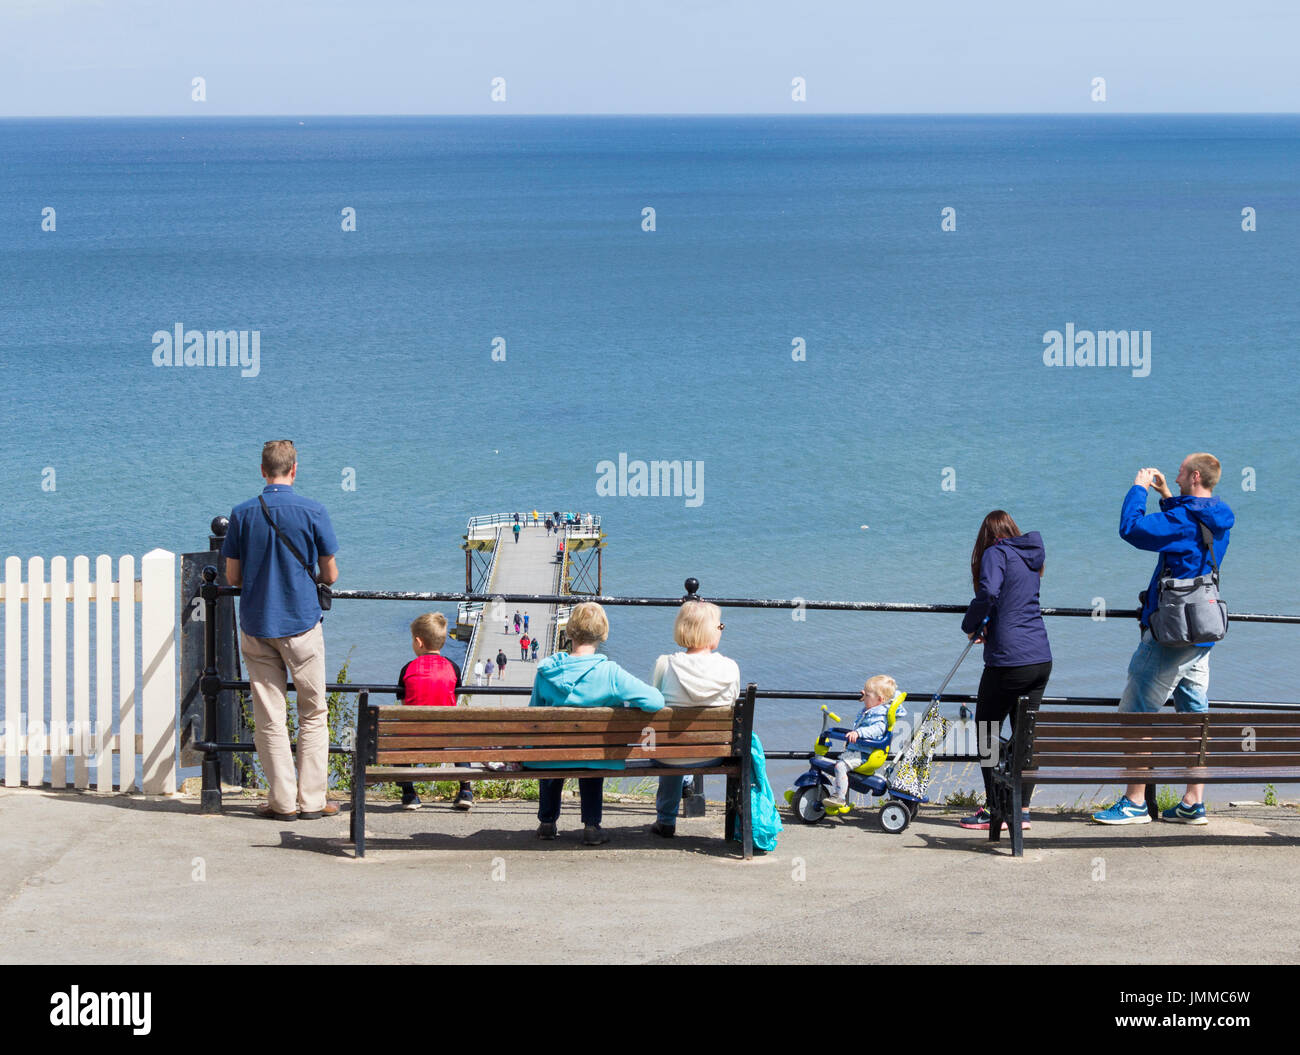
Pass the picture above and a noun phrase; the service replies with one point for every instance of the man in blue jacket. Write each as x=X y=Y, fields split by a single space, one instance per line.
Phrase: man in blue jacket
x=1158 y=671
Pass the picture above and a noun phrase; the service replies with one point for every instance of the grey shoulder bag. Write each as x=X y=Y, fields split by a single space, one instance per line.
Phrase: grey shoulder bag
x=1189 y=611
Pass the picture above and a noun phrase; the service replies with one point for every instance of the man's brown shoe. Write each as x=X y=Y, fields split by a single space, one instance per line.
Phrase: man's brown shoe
x=270 y=814
x=331 y=810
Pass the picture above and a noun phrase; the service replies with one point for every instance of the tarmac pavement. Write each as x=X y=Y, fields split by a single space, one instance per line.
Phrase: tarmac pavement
x=90 y=878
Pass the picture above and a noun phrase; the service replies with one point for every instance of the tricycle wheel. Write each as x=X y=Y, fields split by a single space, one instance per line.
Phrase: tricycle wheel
x=894 y=817
x=807 y=804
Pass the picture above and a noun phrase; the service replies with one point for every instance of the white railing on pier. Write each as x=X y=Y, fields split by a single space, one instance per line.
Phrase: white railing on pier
x=583 y=523
x=37 y=725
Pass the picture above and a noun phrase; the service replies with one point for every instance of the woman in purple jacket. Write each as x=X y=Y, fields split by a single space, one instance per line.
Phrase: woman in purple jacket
x=1006 y=567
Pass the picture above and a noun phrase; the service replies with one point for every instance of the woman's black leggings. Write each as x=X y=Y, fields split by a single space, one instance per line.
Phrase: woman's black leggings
x=1000 y=689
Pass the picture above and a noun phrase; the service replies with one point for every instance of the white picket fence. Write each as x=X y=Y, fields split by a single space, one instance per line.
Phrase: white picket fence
x=37 y=724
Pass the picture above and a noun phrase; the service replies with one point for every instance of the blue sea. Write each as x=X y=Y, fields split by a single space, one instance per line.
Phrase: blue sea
x=858 y=468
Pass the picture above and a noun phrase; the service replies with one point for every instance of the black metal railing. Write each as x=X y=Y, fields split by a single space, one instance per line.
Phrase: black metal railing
x=212 y=685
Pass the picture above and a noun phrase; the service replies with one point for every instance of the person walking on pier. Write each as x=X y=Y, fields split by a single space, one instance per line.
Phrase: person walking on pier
x=1190 y=532
x=518 y=619
x=501 y=664
x=280 y=630
x=523 y=647
x=516 y=531
x=584 y=678
x=535 y=644
x=1006 y=569
x=525 y=622
x=549 y=524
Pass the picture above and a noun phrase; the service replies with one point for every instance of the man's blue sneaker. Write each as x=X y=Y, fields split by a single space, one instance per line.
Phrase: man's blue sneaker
x=1125 y=811
x=1184 y=814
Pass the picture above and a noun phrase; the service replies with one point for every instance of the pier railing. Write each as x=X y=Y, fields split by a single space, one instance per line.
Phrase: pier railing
x=213 y=686
x=507 y=520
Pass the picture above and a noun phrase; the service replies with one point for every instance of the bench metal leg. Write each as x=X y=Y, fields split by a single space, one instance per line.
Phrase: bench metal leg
x=1015 y=820
x=733 y=802
x=996 y=812
x=1152 y=808
x=360 y=754
x=746 y=810
x=359 y=821
x=358 y=827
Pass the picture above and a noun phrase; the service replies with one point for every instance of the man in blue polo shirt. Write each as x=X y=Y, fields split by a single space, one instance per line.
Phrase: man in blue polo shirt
x=280 y=630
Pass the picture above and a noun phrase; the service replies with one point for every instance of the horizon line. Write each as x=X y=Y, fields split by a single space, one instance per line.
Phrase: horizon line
x=671 y=113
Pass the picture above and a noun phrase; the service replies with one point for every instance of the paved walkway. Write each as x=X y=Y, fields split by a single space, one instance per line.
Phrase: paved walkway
x=86 y=878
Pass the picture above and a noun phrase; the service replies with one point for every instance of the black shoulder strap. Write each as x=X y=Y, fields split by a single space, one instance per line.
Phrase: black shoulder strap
x=280 y=535
x=1207 y=540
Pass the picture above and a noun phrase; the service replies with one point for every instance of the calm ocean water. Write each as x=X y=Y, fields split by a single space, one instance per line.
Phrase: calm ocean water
x=924 y=358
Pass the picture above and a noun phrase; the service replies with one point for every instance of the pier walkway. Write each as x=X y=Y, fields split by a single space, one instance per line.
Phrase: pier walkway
x=526 y=566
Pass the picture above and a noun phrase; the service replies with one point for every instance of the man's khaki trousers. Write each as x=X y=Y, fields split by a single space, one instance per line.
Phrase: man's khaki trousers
x=271 y=661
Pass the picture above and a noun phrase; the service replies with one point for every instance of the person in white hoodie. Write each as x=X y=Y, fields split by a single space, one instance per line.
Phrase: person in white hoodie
x=698 y=677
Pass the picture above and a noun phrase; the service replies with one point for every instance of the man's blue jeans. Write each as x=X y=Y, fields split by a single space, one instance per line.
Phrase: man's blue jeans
x=1158 y=671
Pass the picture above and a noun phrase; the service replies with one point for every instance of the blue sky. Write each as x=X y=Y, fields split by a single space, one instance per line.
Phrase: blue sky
x=120 y=57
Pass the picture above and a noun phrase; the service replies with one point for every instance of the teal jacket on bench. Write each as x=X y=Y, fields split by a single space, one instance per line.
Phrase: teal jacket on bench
x=588 y=681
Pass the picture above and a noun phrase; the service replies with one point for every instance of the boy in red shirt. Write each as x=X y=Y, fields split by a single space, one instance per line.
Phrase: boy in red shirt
x=430 y=680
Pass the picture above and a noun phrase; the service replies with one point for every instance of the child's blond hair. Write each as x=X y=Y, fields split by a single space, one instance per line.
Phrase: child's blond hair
x=882 y=686
x=430 y=630
x=588 y=624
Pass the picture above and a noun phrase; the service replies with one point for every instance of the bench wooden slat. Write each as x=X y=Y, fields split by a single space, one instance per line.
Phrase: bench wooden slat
x=526 y=740
x=481 y=728
x=1157 y=718
x=392 y=774
x=1044 y=760
x=604 y=715
x=1191 y=775
x=1101 y=734
x=1051 y=745
x=1261 y=718
x=1241 y=759
x=518 y=754
x=1054 y=731
x=1225 y=745
x=1121 y=718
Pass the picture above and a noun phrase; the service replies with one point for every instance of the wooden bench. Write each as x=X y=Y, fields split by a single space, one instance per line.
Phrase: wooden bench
x=399 y=743
x=1086 y=747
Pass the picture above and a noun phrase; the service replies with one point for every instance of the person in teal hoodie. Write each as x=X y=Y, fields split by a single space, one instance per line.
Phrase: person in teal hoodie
x=584 y=678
